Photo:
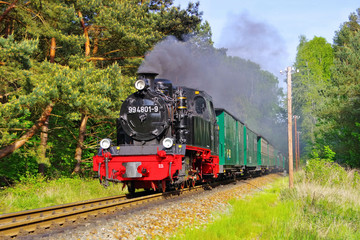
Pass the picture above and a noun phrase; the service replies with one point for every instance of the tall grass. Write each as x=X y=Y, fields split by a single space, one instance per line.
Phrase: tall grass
x=36 y=192
x=324 y=204
x=329 y=201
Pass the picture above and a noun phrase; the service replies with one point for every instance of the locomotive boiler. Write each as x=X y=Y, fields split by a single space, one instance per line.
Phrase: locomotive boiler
x=167 y=137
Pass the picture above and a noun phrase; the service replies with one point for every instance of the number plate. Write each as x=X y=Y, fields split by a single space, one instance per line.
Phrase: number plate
x=144 y=109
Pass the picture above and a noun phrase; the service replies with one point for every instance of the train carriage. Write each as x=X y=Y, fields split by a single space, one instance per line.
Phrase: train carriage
x=250 y=141
x=231 y=142
x=263 y=153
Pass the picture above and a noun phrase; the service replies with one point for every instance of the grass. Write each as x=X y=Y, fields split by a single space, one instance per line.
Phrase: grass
x=328 y=198
x=37 y=192
x=260 y=216
x=324 y=204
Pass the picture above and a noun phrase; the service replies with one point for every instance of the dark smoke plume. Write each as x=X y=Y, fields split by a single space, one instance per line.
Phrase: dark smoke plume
x=185 y=64
x=257 y=41
x=238 y=85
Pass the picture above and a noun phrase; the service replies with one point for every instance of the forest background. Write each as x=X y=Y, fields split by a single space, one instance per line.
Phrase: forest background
x=65 y=67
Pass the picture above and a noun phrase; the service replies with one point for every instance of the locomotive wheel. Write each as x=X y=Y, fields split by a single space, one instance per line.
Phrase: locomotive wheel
x=131 y=187
x=191 y=183
x=182 y=185
x=163 y=185
x=188 y=183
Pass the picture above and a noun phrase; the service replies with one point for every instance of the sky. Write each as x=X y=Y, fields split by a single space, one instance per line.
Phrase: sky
x=267 y=32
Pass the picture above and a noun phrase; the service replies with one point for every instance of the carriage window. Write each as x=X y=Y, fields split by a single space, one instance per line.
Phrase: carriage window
x=247 y=142
x=200 y=105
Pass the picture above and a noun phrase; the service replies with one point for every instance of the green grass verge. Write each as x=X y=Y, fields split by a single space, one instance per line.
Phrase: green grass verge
x=315 y=209
x=37 y=192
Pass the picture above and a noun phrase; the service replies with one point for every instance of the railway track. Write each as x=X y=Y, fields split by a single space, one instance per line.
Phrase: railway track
x=30 y=221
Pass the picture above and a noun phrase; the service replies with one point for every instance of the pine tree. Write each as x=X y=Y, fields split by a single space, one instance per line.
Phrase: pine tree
x=344 y=108
x=66 y=54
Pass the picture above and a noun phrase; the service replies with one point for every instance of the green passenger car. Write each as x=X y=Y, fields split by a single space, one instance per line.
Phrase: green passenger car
x=231 y=151
x=278 y=159
x=271 y=156
x=250 y=139
x=262 y=152
x=242 y=148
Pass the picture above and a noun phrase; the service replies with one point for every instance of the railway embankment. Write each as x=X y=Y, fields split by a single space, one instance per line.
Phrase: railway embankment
x=324 y=204
x=160 y=219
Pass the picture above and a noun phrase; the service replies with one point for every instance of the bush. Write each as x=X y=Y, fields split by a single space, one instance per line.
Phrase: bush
x=323 y=171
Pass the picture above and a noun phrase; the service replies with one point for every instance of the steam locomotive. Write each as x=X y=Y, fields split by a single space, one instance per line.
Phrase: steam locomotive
x=169 y=137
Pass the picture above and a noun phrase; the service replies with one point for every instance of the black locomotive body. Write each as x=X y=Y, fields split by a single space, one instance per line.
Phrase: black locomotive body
x=166 y=136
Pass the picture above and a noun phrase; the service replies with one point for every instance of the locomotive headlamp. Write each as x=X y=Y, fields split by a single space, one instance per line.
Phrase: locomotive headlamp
x=168 y=142
x=140 y=84
x=105 y=143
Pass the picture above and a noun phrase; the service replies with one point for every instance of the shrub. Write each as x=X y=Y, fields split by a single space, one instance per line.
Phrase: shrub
x=323 y=171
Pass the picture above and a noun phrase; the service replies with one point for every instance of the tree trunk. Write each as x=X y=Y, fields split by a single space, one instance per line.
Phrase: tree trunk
x=78 y=152
x=43 y=161
x=86 y=35
x=29 y=134
x=7 y=30
x=96 y=45
x=52 y=50
x=13 y=5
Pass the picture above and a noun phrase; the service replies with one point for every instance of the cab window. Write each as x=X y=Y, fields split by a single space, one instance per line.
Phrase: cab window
x=200 y=105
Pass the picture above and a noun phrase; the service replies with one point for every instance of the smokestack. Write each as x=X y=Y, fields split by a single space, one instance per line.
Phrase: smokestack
x=148 y=76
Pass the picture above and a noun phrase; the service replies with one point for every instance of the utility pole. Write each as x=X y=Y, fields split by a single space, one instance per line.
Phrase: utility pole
x=297 y=151
x=296 y=159
x=291 y=176
x=289 y=70
x=298 y=136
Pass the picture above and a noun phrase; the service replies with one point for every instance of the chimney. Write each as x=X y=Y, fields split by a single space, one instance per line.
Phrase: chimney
x=149 y=76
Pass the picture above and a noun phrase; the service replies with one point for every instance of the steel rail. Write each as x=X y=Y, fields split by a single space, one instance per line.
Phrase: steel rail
x=24 y=222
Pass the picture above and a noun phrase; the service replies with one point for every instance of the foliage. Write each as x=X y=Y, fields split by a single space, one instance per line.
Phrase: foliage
x=322 y=170
x=314 y=60
x=342 y=112
x=326 y=154
x=327 y=92
x=325 y=173
x=82 y=56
